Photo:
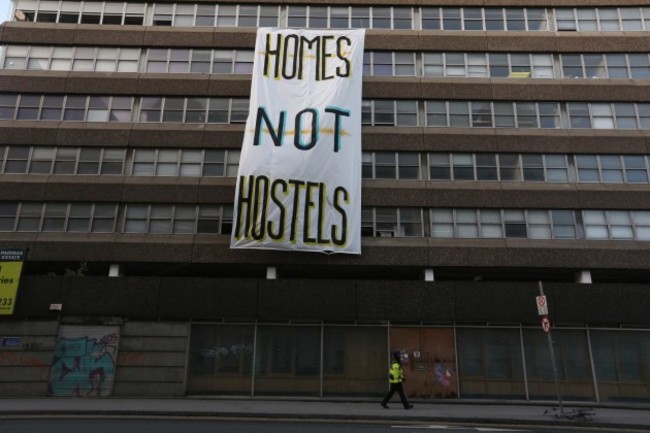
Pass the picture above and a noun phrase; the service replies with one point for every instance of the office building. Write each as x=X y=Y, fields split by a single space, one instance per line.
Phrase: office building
x=505 y=150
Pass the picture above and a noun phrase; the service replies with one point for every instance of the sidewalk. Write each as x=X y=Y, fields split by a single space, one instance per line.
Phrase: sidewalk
x=305 y=410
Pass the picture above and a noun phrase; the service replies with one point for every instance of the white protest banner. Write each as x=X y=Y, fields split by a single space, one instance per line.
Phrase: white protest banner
x=299 y=179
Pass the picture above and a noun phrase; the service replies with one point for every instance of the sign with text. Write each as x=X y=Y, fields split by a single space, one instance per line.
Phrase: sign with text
x=11 y=266
x=299 y=180
x=542 y=305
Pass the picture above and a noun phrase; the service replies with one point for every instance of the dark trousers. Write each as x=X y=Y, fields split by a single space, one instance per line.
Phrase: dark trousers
x=400 y=390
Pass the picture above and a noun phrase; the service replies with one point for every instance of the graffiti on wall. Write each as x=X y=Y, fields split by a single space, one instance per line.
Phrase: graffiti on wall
x=84 y=361
x=235 y=350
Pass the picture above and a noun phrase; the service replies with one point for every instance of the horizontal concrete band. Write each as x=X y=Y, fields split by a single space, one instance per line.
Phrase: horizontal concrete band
x=222 y=85
x=316 y=300
x=137 y=189
x=375 y=138
x=414 y=40
x=409 y=252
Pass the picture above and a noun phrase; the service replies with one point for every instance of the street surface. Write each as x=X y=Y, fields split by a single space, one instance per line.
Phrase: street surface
x=41 y=425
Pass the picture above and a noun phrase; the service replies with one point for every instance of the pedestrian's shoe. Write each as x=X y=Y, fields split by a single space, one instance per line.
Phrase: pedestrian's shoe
x=410 y=406
x=384 y=405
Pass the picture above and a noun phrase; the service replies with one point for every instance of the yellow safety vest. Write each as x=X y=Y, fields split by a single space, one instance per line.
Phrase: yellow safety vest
x=396 y=373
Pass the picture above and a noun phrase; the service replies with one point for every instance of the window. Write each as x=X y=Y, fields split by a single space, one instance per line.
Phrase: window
x=442 y=223
x=439 y=166
x=431 y=19
x=52 y=107
x=184 y=219
x=103 y=218
x=385 y=165
x=209 y=219
x=515 y=223
x=113 y=161
x=526 y=115
x=167 y=162
x=473 y=18
x=602 y=116
x=174 y=108
x=481 y=114
x=394 y=222
x=163 y=14
x=494 y=19
x=8 y=216
x=587 y=166
x=564 y=226
x=150 y=109
x=409 y=165
x=54 y=217
x=641 y=220
x=539 y=224
x=572 y=66
x=28 y=107
x=410 y=222
x=16 y=160
x=121 y=109
x=15 y=57
x=617 y=66
x=39 y=58
x=451 y=19
x=639 y=66
x=135 y=220
x=75 y=108
x=620 y=224
x=579 y=115
x=594 y=65
x=490 y=223
x=611 y=168
x=466 y=223
x=79 y=217
x=65 y=162
x=200 y=61
x=504 y=115
x=635 y=169
x=389 y=63
x=533 y=167
x=486 y=166
x=205 y=14
x=463 y=166
x=565 y=20
x=29 y=217
x=42 y=159
x=184 y=16
x=89 y=161
x=556 y=168
x=84 y=59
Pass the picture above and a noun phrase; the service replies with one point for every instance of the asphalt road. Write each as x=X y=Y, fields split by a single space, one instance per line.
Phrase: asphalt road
x=42 y=425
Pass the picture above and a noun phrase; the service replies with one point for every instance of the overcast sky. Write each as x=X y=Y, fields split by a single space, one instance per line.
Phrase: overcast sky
x=5 y=5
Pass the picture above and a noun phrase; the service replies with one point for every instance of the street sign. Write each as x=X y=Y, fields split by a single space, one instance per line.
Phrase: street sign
x=542 y=306
x=11 y=265
x=546 y=325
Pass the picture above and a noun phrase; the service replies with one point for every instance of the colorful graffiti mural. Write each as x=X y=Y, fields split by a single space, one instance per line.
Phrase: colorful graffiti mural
x=84 y=361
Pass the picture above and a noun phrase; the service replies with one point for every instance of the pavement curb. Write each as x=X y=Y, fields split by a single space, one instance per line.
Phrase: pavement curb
x=144 y=414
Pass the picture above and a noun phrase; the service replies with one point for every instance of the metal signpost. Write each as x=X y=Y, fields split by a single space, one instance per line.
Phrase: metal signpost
x=542 y=310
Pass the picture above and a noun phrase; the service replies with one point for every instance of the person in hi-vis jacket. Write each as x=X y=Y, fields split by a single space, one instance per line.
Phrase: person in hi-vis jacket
x=396 y=377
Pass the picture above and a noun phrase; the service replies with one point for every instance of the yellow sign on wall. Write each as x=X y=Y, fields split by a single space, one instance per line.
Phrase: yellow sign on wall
x=11 y=266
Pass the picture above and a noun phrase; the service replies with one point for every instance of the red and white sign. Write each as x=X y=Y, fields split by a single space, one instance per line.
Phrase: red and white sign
x=542 y=306
x=546 y=325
